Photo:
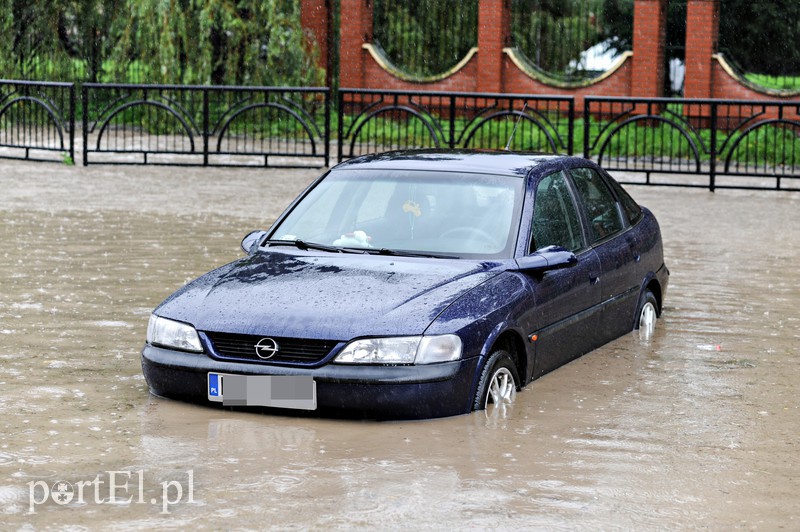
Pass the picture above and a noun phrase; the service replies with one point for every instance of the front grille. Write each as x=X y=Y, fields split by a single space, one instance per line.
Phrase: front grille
x=291 y=350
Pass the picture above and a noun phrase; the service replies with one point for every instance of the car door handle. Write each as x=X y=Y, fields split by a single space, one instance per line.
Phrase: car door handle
x=636 y=255
x=594 y=279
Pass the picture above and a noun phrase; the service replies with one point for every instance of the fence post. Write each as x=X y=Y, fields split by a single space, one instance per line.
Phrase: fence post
x=327 y=137
x=712 y=173
x=571 y=128
x=340 y=124
x=451 y=142
x=85 y=105
x=586 y=103
x=72 y=122
x=205 y=126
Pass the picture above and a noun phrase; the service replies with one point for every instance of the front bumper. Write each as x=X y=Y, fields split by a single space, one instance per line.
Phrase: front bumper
x=386 y=392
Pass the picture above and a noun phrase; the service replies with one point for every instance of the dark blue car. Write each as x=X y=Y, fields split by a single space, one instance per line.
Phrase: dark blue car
x=415 y=284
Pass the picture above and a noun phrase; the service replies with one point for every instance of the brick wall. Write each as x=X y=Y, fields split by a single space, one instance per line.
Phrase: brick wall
x=702 y=28
x=494 y=21
x=491 y=70
x=315 y=19
x=356 y=29
x=649 y=35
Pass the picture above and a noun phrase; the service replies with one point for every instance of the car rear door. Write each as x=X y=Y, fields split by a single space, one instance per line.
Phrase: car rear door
x=617 y=249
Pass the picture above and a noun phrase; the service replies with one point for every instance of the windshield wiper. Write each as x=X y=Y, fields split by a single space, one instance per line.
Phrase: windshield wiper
x=302 y=244
x=398 y=253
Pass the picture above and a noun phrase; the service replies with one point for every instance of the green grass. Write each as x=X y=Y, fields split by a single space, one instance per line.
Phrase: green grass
x=775 y=82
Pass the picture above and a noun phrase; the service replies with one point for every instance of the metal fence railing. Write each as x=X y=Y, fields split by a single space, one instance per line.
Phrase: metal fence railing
x=425 y=37
x=703 y=143
x=657 y=141
x=207 y=126
x=373 y=120
x=37 y=120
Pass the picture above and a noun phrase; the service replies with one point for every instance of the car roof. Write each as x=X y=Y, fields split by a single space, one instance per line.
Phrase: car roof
x=474 y=161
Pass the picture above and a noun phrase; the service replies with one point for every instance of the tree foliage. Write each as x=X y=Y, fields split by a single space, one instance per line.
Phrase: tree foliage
x=425 y=37
x=553 y=33
x=761 y=37
x=224 y=42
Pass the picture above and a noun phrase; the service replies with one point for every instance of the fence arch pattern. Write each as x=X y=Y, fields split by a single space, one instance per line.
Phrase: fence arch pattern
x=37 y=120
x=207 y=126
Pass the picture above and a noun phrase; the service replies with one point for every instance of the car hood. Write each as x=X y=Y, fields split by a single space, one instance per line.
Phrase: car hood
x=325 y=296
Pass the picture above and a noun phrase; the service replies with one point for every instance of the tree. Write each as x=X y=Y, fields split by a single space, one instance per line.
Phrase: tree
x=216 y=42
x=426 y=37
x=761 y=37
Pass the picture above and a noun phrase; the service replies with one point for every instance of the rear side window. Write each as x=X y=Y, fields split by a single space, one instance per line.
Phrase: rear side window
x=601 y=207
x=555 y=218
x=630 y=208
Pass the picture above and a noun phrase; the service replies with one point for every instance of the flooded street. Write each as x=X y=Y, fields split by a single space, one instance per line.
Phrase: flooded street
x=695 y=428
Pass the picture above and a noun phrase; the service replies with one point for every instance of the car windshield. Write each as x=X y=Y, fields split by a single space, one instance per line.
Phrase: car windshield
x=413 y=212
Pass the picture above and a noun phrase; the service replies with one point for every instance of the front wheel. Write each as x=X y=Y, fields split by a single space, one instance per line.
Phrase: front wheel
x=497 y=388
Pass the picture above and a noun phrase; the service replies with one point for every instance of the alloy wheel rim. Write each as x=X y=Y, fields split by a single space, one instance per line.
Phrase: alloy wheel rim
x=502 y=391
x=647 y=319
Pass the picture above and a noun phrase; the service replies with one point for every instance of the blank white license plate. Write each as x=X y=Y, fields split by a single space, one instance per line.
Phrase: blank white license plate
x=278 y=391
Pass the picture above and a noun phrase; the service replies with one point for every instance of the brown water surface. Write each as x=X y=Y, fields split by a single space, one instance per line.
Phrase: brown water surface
x=693 y=428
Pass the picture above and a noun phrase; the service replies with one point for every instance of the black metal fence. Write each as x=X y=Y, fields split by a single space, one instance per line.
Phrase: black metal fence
x=699 y=143
x=661 y=141
x=208 y=126
x=37 y=120
x=564 y=40
x=425 y=37
x=372 y=120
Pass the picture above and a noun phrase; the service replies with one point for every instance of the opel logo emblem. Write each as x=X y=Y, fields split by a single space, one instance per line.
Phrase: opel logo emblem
x=266 y=348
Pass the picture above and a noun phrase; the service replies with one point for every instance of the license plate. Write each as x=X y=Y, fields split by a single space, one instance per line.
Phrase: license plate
x=278 y=391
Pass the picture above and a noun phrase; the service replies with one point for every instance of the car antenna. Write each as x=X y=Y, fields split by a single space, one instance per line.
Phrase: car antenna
x=508 y=144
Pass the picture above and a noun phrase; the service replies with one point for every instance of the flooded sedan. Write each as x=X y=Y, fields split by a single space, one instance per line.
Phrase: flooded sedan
x=416 y=284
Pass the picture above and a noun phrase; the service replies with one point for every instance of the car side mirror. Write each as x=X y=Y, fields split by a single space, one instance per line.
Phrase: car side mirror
x=252 y=240
x=547 y=259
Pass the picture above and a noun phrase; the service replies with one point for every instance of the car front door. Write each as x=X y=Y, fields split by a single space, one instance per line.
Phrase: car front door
x=565 y=313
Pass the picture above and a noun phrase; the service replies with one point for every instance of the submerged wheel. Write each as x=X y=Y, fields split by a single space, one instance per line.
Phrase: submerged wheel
x=497 y=388
x=647 y=316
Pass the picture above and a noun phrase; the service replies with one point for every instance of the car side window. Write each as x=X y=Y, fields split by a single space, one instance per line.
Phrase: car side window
x=629 y=206
x=555 y=218
x=601 y=207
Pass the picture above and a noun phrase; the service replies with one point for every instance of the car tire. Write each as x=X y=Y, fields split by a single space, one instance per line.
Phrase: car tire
x=498 y=384
x=647 y=314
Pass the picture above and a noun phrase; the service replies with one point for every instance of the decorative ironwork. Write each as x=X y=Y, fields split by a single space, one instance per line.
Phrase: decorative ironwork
x=567 y=43
x=424 y=40
x=736 y=144
x=371 y=120
x=37 y=120
x=208 y=126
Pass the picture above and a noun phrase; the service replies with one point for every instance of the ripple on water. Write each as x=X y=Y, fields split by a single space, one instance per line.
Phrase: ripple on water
x=7 y=458
x=12 y=494
x=392 y=466
x=284 y=483
x=111 y=323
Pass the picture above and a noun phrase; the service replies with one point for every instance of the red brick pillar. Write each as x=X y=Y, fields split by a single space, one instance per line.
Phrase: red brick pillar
x=702 y=29
x=494 y=26
x=649 y=37
x=356 y=29
x=315 y=17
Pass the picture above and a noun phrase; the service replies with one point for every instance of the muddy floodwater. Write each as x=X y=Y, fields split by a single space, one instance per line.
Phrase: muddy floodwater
x=695 y=428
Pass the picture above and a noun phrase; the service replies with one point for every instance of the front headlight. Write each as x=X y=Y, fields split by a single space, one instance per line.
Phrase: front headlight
x=174 y=334
x=402 y=350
